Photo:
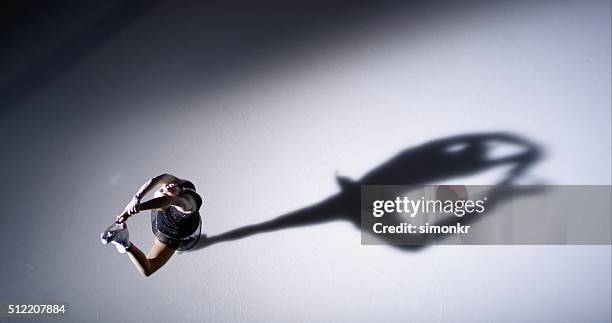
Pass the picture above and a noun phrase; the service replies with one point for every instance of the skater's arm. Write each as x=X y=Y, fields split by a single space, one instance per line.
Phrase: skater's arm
x=155 y=181
x=161 y=202
x=133 y=205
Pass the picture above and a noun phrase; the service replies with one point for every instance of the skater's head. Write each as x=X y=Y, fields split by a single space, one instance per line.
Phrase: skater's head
x=170 y=189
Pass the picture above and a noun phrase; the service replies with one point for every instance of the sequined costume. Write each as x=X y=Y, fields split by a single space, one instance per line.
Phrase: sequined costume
x=178 y=230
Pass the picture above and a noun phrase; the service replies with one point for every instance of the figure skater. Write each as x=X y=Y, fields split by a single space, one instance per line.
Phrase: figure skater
x=175 y=221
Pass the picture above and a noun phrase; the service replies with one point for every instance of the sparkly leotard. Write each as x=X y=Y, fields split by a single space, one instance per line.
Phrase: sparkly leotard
x=178 y=230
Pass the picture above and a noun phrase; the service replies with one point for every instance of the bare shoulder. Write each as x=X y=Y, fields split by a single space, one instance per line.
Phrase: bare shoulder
x=184 y=203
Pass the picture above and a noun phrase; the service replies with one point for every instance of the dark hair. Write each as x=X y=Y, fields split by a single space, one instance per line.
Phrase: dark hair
x=188 y=187
x=187 y=184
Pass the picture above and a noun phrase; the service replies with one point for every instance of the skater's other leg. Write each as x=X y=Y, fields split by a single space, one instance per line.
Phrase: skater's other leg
x=155 y=259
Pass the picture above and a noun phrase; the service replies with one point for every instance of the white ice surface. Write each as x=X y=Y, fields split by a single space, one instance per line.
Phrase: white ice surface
x=270 y=141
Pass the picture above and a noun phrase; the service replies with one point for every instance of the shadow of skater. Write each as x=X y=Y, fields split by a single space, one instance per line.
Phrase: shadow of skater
x=433 y=161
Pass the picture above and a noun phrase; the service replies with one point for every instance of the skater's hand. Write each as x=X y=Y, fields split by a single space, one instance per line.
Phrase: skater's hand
x=133 y=207
x=121 y=218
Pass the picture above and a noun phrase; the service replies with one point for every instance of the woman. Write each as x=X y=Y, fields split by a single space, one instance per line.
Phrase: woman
x=175 y=220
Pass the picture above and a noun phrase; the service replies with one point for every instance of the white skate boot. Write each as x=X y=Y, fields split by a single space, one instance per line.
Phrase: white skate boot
x=118 y=235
